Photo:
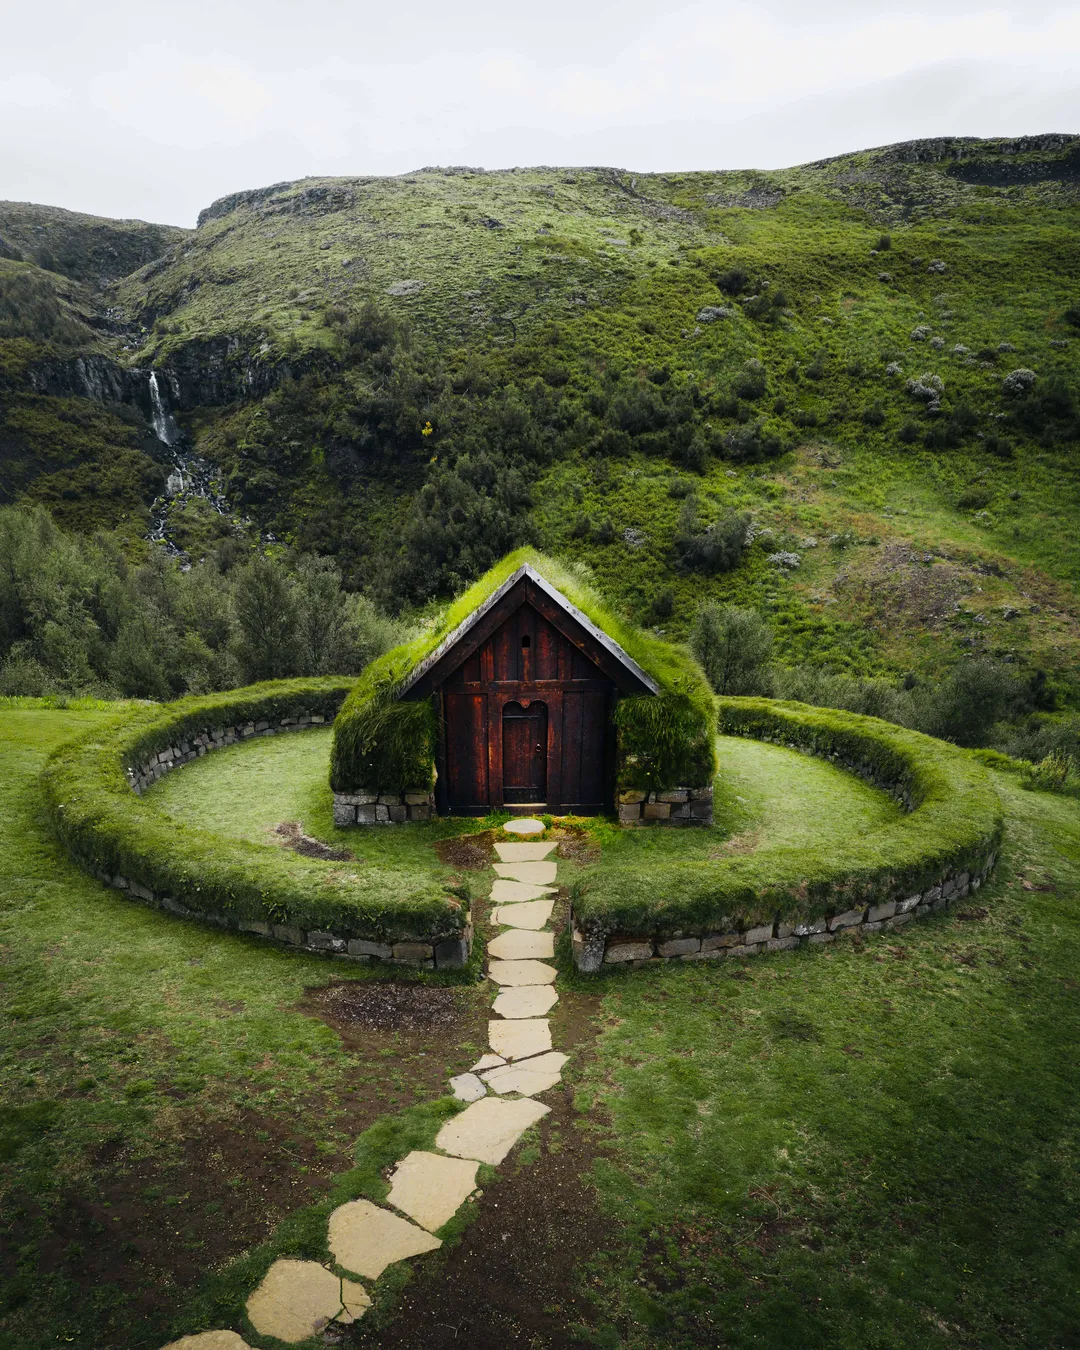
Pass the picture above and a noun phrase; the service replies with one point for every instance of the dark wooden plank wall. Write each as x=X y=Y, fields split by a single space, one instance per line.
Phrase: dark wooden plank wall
x=527 y=660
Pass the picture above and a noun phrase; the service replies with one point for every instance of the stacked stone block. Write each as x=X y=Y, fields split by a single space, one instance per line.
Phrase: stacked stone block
x=372 y=807
x=679 y=806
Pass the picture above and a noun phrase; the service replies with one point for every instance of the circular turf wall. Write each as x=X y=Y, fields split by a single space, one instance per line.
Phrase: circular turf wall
x=943 y=847
x=93 y=790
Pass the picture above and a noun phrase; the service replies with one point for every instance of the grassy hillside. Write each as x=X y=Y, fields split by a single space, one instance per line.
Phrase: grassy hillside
x=85 y=248
x=815 y=365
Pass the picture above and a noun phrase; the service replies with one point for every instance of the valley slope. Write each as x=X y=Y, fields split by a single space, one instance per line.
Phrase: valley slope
x=415 y=374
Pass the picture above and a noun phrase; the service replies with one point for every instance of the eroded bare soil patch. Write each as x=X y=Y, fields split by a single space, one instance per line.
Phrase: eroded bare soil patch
x=470 y=852
x=353 y=1007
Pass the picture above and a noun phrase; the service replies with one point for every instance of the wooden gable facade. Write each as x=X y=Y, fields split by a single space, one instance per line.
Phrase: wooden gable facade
x=526 y=687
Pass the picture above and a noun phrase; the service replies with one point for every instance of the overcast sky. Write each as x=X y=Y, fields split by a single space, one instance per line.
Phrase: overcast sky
x=153 y=110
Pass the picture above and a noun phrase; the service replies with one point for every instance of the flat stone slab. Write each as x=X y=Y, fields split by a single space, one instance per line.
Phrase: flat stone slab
x=430 y=1188
x=355 y=1302
x=525 y=827
x=531 y=873
x=209 y=1340
x=488 y=1130
x=521 y=972
x=366 y=1239
x=532 y=914
x=505 y=892
x=487 y=1062
x=298 y=1298
x=518 y=944
x=520 y=1038
x=519 y=853
x=466 y=1087
x=528 y=1076
x=528 y=1000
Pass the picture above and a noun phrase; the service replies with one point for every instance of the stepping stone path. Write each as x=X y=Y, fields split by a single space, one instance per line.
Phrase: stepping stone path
x=298 y=1299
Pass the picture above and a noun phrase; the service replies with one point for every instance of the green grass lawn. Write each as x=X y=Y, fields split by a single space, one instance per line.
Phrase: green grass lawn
x=164 y=1100
x=874 y=1145
x=250 y=788
x=769 y=800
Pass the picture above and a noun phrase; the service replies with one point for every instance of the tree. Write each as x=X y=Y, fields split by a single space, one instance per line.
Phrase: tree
x=268 y=615
x=734 y=647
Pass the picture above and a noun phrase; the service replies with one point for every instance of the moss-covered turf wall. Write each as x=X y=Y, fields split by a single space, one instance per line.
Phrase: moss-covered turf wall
x=944 y=843
x=120 y=837
x=665 y=740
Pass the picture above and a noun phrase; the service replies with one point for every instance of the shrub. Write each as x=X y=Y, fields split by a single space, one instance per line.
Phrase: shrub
x=909 y=432
x=734 y=647
x=1019 y=381
x=816 y=369
x=734 y=281
x=874 y=416
x=751 y=381
x=718 y=548
x=752 y=443
x=965 y=706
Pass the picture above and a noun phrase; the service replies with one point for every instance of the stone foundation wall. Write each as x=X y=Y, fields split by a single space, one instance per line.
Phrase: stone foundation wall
x=591 y=951
x=448 y=954
x=680 y=806
x=372 y=807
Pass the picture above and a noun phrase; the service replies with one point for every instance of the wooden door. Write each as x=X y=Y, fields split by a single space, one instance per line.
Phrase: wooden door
x=524 y=753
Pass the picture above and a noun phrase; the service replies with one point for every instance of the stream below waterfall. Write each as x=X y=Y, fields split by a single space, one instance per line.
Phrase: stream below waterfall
x=190 y=478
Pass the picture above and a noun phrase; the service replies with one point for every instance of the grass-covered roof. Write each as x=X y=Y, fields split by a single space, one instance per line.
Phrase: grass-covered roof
x=665 y=739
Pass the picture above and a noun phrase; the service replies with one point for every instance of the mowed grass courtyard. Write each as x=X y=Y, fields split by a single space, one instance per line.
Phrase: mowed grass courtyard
x=871 y=1145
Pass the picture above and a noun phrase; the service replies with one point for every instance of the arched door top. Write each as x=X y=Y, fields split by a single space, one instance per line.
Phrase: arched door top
x=524 y=753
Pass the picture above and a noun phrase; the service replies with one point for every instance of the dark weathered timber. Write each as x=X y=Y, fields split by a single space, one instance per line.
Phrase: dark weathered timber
x=526 y=699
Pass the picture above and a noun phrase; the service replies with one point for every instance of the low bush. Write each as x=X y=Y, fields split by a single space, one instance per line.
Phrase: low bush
x=952 y=823
x=112 y=832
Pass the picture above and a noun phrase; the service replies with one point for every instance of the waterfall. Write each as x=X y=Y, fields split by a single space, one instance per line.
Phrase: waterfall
x=190 y=477
x=164 y=427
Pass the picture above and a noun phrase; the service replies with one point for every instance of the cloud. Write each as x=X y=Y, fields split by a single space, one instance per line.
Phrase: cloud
x=241 y=94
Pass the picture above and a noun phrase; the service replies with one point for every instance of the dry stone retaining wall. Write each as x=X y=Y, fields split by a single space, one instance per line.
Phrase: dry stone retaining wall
x=446 y=955
x=593 y=951
x=369 y=806
x=142 y=776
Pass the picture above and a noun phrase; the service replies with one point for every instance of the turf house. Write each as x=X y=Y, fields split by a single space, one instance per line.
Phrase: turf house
x=529 y=698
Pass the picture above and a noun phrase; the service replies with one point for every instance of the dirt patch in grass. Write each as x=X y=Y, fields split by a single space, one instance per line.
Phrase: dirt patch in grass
x=902 y=582
x=517 y=1276
x=147 y=1231
x=470 y=852
x=738 y=843
x=579 y=849
x=291 y=835
x=353 y=1007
